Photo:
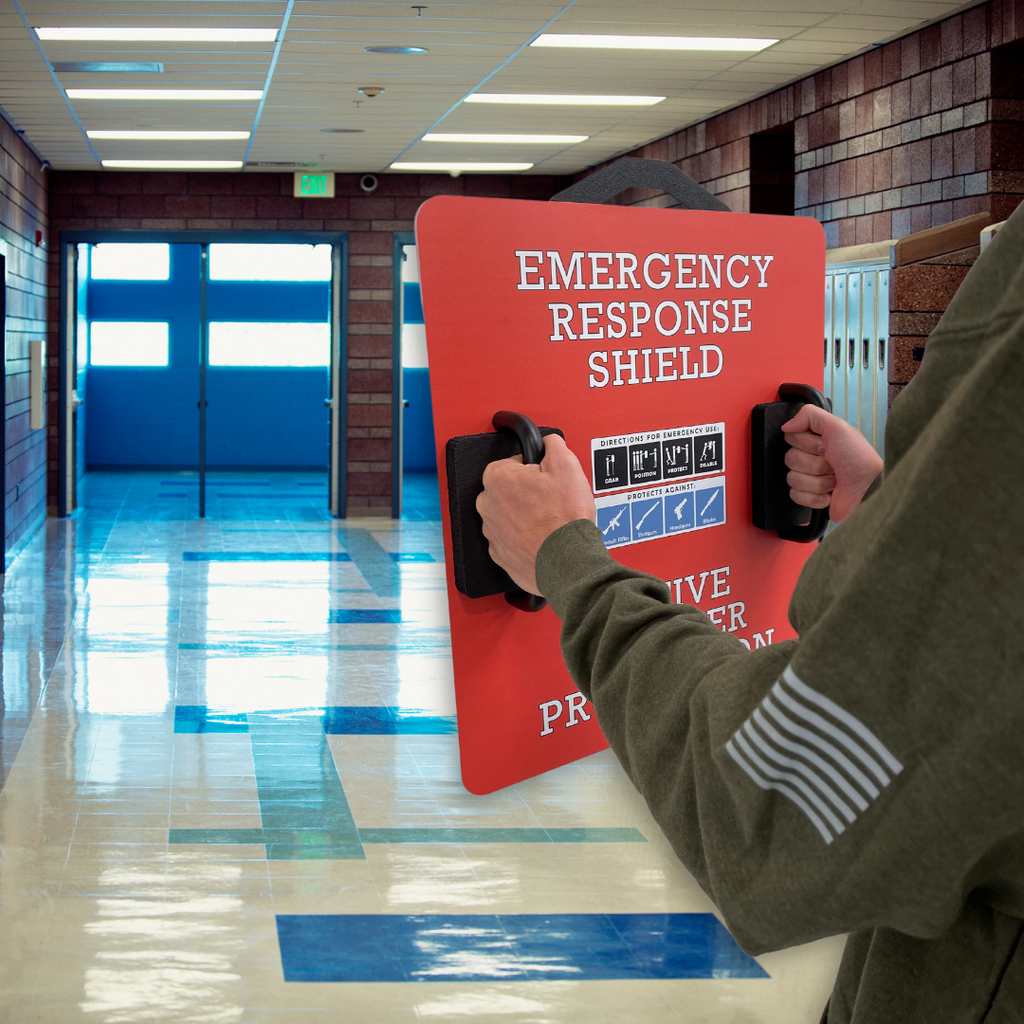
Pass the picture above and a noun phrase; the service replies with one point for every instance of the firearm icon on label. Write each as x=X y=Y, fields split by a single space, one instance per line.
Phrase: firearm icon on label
x=614 y=524
x=645 y=515
x=678 y=510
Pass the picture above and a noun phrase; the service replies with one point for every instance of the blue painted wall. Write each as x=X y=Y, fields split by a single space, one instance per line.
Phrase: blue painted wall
x=257 y=416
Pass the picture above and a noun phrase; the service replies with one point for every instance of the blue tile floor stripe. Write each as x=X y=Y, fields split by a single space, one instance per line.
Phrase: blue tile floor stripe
x=265 y=556
x=376 y=565
x=472 y=836
x=354 y=616
x=357 y=720
x=198 y=718
x=512 y=947
x=384 y=721
x=303 y=807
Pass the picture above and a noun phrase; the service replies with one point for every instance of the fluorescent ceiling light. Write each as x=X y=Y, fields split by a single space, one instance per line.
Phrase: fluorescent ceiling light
x=450 y=167
x=177 y=165
x=573 y=101
x=168 y=136
x=652 y=42
x=395 y=49
x=566 y=140
x=165 y=94
x=102 y=33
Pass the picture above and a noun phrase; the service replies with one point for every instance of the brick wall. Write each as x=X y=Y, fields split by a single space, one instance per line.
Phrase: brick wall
x=22 y=214
x=919 y=132
x=107 y=200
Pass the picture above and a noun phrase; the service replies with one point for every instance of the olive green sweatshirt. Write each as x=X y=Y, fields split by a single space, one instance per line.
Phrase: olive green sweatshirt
x=867 y=777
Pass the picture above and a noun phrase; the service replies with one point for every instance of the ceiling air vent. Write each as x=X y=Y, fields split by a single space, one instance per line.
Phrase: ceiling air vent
x=107 y=67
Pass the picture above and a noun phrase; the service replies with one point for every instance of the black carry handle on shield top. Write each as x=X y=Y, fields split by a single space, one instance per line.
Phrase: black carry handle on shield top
x=773 y=509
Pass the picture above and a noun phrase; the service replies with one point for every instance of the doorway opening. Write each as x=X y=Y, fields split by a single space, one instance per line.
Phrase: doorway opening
x=773 y=171
x=206 y=362
x=417 y=479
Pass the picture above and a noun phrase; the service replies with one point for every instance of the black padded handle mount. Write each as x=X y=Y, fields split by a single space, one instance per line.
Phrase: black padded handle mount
x=816 y=528
x=532 y=443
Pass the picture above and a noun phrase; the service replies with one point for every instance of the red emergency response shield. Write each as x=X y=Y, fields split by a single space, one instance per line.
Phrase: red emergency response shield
x=647 y=336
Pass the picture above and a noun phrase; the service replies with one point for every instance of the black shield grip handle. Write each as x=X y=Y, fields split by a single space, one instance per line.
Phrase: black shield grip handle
x=532 y=443
x=815 y=529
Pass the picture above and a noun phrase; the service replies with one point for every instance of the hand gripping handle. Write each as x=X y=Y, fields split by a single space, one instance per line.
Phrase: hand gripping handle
x=532 y=443
x=816 y=528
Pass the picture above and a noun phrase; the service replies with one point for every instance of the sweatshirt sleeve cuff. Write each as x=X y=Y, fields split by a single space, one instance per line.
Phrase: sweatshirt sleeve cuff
x=569 y=553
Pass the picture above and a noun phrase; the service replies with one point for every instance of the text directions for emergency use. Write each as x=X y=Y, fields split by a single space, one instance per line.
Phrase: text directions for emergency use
x=656 y=456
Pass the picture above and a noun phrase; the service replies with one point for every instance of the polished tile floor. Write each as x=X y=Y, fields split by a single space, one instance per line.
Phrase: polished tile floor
x=231 y=794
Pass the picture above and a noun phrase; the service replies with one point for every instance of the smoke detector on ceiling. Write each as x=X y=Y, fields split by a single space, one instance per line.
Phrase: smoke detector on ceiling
x=369 y=91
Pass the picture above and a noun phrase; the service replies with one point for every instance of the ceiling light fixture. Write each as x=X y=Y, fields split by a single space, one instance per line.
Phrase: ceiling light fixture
x=568 y=101
x=147 y=135
x=395 y=49
x=342 y=131
x=561 y=140
x=165 y=94
x=132 y=34
x=176 y=165
x=653 y=42
x=448 y=167
x=108 y=67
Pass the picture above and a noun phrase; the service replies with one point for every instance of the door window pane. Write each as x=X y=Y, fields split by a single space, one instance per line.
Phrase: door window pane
x=414 y=333
x=269 y=344
x=131 y=261
x=121 y=343
x=270 y=262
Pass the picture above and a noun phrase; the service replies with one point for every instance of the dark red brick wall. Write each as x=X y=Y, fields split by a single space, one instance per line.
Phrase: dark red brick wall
x=914 y=134
x=22 y=215
x=919 y=294
x=110 y=200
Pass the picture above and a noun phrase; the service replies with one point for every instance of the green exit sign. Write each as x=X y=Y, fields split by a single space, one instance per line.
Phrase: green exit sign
x=320 y=185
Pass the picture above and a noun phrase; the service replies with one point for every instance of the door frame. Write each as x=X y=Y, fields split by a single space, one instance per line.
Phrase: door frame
x=338 y=240
x=402 y=239
x=3 y=425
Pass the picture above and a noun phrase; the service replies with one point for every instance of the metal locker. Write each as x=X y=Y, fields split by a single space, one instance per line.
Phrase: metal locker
x=856 y=337
x=838 y=361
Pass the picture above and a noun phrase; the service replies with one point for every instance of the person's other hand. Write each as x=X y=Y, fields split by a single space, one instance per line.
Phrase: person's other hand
x=520 y=505
x=831 y=462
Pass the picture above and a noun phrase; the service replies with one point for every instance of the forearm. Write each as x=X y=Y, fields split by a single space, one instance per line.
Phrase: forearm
x=669 y=689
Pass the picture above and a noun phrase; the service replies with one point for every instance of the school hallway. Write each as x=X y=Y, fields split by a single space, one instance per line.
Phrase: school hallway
x=231 y=793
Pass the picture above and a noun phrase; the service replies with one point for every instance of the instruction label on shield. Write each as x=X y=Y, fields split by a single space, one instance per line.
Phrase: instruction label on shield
x=656 y=456
x=638 y=516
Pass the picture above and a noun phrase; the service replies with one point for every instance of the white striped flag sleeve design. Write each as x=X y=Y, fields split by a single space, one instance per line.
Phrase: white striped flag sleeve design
x=803 y=745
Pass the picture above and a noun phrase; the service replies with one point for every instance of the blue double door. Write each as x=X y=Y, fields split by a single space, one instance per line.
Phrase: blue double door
x=257 y=416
